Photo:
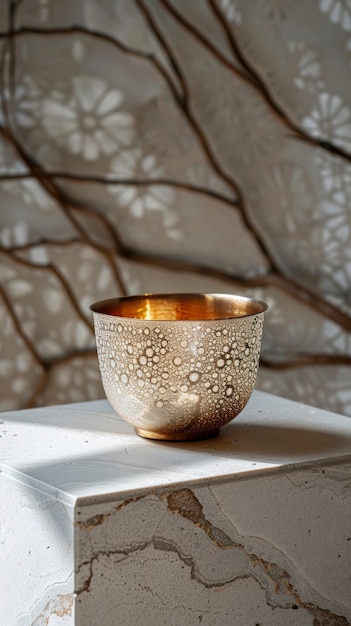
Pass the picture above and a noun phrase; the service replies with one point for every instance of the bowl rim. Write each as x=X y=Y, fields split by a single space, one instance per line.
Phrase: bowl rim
x=96 y=307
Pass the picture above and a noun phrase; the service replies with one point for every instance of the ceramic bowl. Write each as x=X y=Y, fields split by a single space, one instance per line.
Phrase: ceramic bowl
x=178 y=366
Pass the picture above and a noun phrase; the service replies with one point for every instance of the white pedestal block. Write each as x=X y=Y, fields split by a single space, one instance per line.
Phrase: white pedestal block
x=99 y=527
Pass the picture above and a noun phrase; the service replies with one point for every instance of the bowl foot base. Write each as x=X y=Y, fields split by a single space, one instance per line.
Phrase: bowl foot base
x=185 y=436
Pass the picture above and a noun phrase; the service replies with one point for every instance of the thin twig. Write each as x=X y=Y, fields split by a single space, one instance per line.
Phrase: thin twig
x=35 y=169
x=212 y=158
x=51 y=267
x=302 y=292
x=167 y=49
x=197 y=34
x=135 y=182
x=298 y=132
x=66 y=205
x=43 y=241
x=40 y=386
x=90 y=32
x=50 y=365
x=17 y=324
x=272 y=279
x=253 y=78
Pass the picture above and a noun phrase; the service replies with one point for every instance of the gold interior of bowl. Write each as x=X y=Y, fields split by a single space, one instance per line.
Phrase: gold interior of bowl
x=172 y=307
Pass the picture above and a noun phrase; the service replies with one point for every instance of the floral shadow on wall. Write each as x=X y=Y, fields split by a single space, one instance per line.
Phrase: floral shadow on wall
x=174 y=146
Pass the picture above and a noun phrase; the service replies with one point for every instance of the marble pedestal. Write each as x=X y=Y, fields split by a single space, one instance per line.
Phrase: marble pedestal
x=99 y=527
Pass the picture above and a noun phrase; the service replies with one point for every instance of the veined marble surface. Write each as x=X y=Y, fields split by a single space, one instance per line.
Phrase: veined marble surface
x=100 y=527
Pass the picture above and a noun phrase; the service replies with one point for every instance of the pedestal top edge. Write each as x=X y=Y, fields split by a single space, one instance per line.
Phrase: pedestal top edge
x=84 y=450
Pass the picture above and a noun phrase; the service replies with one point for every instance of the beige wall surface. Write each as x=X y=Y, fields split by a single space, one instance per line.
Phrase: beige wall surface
x=158 y=145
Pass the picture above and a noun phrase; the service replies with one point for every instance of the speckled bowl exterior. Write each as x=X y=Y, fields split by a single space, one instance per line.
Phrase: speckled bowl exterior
x=178 y=379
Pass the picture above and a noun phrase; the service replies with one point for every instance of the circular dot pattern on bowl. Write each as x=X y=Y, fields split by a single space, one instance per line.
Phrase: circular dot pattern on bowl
x=180 y=380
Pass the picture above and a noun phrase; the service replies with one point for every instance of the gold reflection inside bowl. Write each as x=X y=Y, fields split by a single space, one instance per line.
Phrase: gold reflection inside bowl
x=173 y=307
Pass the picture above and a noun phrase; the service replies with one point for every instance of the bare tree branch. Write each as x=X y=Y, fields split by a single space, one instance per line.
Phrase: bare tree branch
x=212 y=158
x=115 y=250
x=253 y=78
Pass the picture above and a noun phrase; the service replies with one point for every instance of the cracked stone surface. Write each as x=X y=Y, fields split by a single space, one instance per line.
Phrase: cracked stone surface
x=163 y=558
x=101 y=528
